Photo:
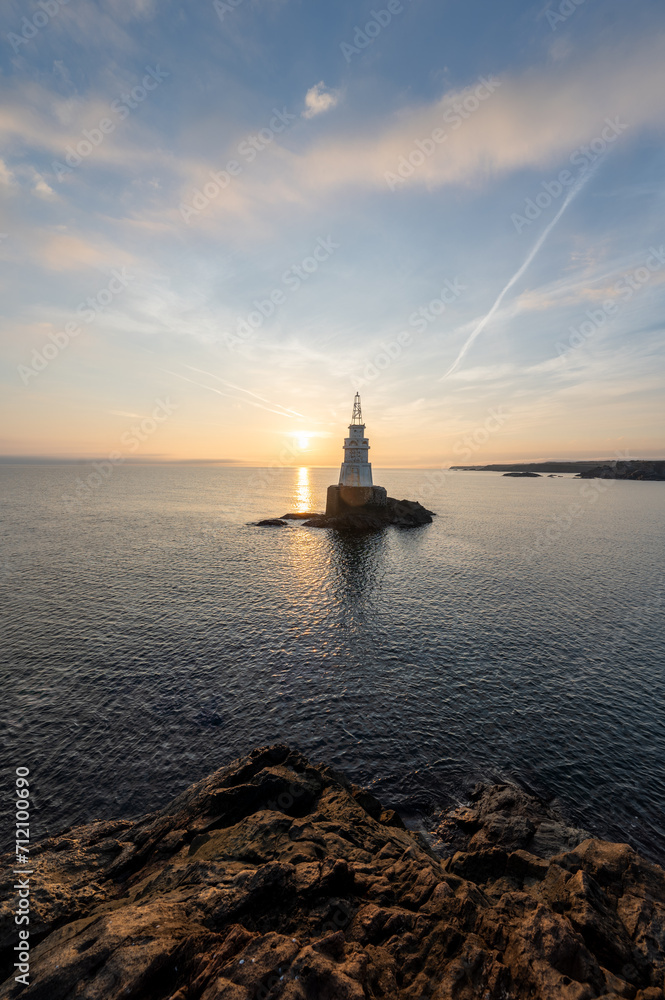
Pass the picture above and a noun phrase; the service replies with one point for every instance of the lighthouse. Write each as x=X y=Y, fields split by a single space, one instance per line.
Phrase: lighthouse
x=356 y=469
x=355 y=488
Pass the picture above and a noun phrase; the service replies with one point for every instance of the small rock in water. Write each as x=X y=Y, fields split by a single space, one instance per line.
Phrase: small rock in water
x=299 y=515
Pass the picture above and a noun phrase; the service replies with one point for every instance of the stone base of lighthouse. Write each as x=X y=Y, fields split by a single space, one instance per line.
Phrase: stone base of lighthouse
x=347 y=499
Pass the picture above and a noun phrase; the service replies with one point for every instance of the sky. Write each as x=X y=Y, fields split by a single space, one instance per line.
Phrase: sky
x=219 y=220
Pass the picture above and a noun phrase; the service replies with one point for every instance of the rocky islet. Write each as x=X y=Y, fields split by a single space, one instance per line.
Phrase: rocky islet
x=368 y=518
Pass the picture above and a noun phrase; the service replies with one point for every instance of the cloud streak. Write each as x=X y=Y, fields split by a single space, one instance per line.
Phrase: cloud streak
x=238 y=399
x=239 y=388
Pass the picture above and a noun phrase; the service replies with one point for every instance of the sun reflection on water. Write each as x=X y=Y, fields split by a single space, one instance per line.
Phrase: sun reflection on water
x=303 y=491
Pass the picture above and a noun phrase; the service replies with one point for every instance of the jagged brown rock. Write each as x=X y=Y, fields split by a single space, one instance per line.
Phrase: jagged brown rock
x=274 y=878
x=374 y=517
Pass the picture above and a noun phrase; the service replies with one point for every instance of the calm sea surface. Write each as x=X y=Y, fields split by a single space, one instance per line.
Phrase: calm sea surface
x=152 y=636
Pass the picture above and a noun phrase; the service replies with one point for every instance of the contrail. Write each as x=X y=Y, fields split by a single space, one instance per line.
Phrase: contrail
x=228 y=395
x=574 y=191
x=230 y=385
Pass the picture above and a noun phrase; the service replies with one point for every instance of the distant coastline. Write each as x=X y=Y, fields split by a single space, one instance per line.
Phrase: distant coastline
x=652 y=470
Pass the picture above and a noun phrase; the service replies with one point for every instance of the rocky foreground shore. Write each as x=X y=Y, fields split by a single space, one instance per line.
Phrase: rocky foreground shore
x=275 y=878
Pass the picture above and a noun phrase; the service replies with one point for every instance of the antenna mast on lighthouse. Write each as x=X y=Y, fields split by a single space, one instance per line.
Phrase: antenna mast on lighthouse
x=357 y=417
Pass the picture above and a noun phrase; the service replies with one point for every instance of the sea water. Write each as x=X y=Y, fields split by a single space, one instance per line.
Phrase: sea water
x=152 y=635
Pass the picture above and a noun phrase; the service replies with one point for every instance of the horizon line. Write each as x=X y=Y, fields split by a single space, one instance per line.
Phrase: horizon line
x=238 y=463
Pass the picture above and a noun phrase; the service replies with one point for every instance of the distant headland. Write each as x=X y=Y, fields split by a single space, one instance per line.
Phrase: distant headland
x=651 y=470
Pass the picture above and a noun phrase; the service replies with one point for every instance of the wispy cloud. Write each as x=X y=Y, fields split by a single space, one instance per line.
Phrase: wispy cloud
x=248 y=402
x=62 y=251
x=239 y=388
x=532 y=120
x=318 y=99
x=6 y=176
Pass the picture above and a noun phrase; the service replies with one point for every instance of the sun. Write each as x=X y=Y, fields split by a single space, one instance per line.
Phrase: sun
x=303 y=441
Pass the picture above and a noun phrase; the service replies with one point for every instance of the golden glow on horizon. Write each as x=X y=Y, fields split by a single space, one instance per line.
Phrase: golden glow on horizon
x=206 y=428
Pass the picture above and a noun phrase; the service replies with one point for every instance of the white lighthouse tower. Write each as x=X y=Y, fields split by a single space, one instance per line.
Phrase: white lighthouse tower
x=355 y=488
x=356 y=469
